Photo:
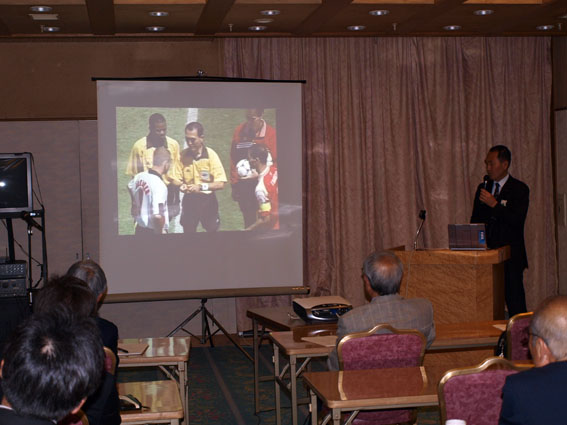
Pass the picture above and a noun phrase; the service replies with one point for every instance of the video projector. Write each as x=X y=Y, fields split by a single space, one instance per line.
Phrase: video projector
x=323 y=309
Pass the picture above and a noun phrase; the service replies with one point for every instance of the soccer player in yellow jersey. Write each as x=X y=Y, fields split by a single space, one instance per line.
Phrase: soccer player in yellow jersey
x=202 y=175
x=141 y=159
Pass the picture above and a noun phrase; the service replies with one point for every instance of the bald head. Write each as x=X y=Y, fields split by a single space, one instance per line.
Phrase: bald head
x=549 y=331
x=384 y=272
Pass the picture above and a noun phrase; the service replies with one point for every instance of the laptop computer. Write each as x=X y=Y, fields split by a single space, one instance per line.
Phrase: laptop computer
x=467 y=237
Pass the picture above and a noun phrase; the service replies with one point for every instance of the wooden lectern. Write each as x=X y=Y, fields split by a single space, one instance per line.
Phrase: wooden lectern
x=463 y=286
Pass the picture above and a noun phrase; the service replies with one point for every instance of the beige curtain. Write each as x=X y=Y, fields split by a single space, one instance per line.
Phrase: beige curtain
x=395 y=125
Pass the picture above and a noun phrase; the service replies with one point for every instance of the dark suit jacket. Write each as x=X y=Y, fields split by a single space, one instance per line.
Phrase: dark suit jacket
x=505 y=222
x=109 y=333
x=535 y=396
x=9 y=417
x=103 y=407
x=401 y=313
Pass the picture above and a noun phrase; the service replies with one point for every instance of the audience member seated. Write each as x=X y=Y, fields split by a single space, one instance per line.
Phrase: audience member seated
x=103 y=407
x=382 y=276
x=91 y=273
x=536 y=396
x=51 y=364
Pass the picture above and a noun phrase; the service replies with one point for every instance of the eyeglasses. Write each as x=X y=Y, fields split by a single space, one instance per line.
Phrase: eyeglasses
x=190 y=140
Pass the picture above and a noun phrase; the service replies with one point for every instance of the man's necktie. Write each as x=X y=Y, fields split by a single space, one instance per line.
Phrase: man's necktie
x=496 y=189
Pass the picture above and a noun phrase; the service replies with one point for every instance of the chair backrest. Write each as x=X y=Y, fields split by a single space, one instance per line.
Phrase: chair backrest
x=474 y=394
x=381 y=347
x=517 y=337
x=79 y=418
x=109 y=361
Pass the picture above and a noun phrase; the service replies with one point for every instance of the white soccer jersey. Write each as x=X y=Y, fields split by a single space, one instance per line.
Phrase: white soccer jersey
x=149 y=192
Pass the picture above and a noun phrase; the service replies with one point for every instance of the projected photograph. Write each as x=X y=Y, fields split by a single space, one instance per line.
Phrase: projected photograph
x=186 y=170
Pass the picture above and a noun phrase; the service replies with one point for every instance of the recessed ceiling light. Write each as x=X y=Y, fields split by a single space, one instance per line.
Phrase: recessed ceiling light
x=270 y=12
x=159 y=13
x=355 y=27
x=41 y=9
x=44 y=16
x=258 y=28
x=155 y=29
x=545 y=27
x=379 y=12
x=263 y=20
x=49 y=29
x=452 y=28
x=483 y=12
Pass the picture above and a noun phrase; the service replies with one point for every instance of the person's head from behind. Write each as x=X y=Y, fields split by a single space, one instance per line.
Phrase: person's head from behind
x=91 y=273
x=51 y=364
x=548 y=331
x=161 y=160
x=66 y=292
x=382 y=274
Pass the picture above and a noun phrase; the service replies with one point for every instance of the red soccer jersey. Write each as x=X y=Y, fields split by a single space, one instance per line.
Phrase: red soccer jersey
x=267 y=137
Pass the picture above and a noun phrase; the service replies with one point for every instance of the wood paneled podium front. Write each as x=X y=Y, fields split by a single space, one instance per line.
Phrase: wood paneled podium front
x=463 y=286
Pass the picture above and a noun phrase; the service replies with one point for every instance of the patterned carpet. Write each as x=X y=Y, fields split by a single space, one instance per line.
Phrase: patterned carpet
x=221 y=389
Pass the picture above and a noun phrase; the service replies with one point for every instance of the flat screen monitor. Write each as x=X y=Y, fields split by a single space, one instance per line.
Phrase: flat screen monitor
x=15 y=183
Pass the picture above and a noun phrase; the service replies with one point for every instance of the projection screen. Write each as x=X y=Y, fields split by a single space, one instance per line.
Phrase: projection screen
x=233 y=183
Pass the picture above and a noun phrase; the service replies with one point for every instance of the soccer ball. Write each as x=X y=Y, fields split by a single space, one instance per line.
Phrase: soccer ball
x=243 y=168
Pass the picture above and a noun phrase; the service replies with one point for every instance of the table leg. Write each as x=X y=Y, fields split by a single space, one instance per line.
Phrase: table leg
x=256 y=378
x=293 y=381
x=277 y=384
x=336 y=416
x=313 y=407
x=183 y=383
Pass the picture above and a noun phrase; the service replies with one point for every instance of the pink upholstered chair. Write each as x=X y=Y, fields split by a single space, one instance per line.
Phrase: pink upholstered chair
x=109 y=361
x=517 y=337
x=474 y=394
x=382 y=347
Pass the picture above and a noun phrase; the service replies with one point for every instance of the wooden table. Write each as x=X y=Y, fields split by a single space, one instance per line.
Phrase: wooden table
x=162 y=401
x=355 y=390
x=170 y=354
x=456 y=336
x=294 y=349
x=276 y=319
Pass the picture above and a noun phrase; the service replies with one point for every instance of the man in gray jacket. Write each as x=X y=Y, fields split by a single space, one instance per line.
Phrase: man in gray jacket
x=382 y=276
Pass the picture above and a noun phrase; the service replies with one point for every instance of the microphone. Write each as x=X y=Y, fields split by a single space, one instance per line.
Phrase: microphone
x=485 y=181
x=31 y=222
x=422 y=217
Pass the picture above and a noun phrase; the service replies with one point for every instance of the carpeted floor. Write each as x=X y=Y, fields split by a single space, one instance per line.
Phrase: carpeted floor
x=221 y=388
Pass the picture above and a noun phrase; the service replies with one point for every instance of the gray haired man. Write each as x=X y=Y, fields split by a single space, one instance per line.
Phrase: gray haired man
x=382 y=277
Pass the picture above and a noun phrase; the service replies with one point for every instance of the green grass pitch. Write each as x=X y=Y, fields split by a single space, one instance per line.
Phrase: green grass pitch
x=219 y=124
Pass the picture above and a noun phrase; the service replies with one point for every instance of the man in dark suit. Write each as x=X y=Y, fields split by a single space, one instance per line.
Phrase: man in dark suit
x=51 y=364
x=537 y=396
x=382 y=276
x=103 y=408
x=501 y=203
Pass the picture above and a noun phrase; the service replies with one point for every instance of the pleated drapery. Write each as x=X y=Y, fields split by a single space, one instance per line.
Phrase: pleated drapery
x=395 y=125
